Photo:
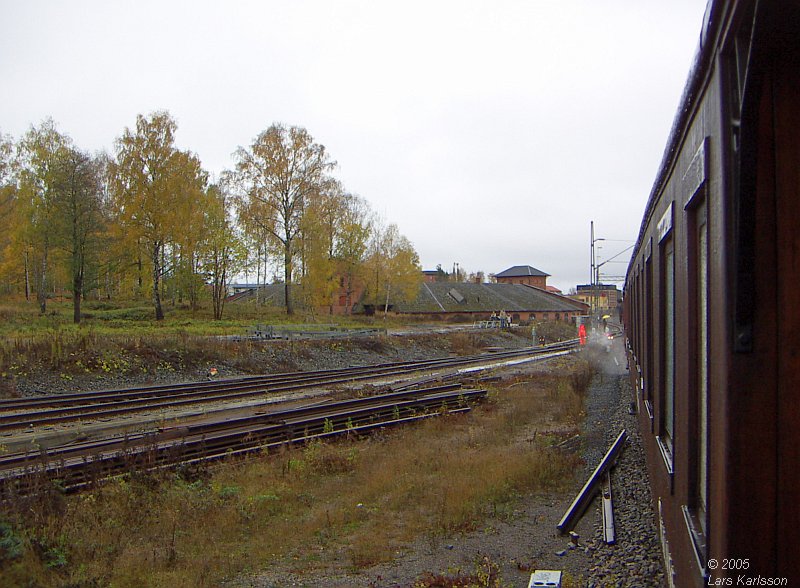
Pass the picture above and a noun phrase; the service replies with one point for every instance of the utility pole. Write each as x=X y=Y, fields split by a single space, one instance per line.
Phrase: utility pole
x=591 y=271
x=593 y=278
x=591 y=253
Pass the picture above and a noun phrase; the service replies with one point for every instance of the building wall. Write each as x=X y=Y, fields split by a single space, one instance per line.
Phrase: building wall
x=604 y=298
x=516 y=316
x=344 y=303
x=535 y=281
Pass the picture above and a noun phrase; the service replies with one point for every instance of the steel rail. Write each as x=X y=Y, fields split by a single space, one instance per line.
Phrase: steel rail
x=587 y=493
x=209 y=441
x=224 y=425
x=286 y=377
x=609 y=533
x=185 y=395
x=178 y=431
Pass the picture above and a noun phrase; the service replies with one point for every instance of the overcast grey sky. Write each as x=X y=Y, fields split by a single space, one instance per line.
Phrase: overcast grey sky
x=491 y=133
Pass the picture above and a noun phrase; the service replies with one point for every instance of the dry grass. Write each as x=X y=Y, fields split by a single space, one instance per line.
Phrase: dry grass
x=364 y=497
x=69 y=354
x=468 y=343
x=30 y=341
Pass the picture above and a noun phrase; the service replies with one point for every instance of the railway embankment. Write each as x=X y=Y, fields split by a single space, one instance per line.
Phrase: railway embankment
x=175 y=360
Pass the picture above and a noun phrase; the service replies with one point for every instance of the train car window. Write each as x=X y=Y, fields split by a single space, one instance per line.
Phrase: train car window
x=694 y=185
x=740 y=109
x=666 y=421
x=639 y=328
x=669 y=343
x=695 y=513
x=702 y=364
x=640 y=332
x=646 y=301
x=648 y=311
x=633 y=303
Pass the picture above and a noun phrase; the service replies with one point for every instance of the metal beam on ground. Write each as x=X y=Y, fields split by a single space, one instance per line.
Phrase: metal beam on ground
x=587 y=493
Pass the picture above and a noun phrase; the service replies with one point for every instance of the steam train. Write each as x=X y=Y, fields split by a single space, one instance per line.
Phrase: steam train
x=712 y=307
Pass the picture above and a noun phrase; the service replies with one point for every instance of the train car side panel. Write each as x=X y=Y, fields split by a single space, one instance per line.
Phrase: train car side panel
x=787 y=124
x=712 y=305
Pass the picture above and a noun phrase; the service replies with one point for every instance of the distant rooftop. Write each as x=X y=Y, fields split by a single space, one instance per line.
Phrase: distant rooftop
x=582 y=287
x=519 y=271
x=438 y=297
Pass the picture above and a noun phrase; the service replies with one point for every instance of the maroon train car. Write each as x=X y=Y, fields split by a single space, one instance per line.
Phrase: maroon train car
x=712 y=307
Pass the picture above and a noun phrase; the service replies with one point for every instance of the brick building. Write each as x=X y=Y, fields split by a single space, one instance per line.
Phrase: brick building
x=523 y=274
x=470 y=301
x=599 y=296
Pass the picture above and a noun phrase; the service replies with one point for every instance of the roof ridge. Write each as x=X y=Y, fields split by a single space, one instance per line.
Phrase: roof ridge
x=514 y=271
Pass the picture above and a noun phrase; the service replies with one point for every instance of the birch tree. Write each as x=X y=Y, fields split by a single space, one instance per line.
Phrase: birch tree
x=7 y=199
x=151 y=180
x=319 y=235
x=79 y=219
x=41 y=182
x=276 y=175
x=394 y=270
x=193 y=204
x=6 y=160
x=225 y=252
x=7 y=208
x=355 y=224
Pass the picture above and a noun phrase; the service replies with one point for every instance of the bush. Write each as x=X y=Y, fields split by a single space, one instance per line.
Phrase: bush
x=11 y=545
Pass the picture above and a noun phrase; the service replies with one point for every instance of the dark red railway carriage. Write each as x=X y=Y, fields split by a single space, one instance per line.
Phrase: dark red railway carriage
x=712 y=307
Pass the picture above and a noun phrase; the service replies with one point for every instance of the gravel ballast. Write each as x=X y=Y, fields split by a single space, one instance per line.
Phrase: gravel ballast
x=635 y=559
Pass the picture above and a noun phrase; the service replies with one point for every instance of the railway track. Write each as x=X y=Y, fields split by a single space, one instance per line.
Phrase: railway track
x=29 y=413
x=75 y=466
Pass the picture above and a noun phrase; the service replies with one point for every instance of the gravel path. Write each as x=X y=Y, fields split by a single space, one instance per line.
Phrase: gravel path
x=635 y=560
